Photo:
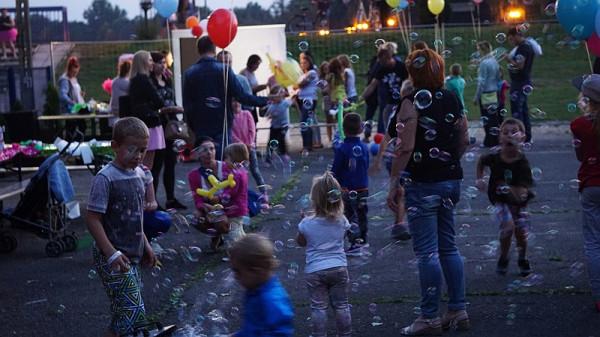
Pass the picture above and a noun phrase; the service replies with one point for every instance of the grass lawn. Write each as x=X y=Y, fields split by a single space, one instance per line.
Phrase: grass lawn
x=552 y=72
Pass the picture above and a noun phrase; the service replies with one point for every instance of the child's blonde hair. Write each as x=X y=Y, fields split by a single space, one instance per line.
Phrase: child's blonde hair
x=236 y=152
x=254 y=251
x=129 y=127
x=326 y=197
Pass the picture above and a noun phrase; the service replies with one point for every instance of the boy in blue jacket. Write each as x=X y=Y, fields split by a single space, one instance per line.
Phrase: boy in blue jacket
x=350 y=166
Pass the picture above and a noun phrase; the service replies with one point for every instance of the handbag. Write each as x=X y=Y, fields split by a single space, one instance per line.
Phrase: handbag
x=489 y=98
x=176 y=129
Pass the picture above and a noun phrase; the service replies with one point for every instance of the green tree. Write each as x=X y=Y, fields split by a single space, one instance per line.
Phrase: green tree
x=105 y=20
x=253 y=14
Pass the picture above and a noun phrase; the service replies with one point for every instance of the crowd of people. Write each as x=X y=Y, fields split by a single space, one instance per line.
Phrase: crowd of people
x=423 y=119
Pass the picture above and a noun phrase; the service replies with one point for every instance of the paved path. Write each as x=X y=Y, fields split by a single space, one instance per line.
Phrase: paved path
x=55 y=297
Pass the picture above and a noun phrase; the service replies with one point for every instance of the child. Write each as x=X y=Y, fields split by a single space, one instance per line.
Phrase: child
x=279 y=113
x=350 y=78
x=267 y=308
x=120 y=193
x=456 y=83
x=213 y=213
x=586 y=134
x=244 y=131
x=335 y=82
x=236 y=207
x=350 y=165
x=509 y=190
x=323 y=73
x=503 y=87
x=326 y=265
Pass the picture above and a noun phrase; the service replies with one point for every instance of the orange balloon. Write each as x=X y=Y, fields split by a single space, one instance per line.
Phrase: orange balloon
x=191 y=22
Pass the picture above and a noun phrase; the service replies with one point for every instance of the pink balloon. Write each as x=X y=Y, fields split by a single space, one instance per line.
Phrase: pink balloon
x=107 y=86
x=593 y=43
x=477 y=2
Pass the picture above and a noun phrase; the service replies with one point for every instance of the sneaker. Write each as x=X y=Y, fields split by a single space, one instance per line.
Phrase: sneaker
x=400 y=232
x=457 y=320
x=356 y=249
x=524 y=267
x=174 y=204
x=502 y=266
x=423 y=327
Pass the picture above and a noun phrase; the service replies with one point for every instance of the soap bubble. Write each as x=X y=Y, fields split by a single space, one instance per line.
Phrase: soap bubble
x=379 y=42
x=209 y=277
x=449 y=118
x=430 y=134
x=576 y=143
x=469 y=156
x=527 y=89
x=501 y=38
x=292 y=270
x=273 y=144
x=377 y=321
x=438 y=44
x=536 y=173
x=414 y=36
x=357 y=43
x=278 y=246
x=545 y=209
x=572 y=107
x=92 y=274
x=523 y=28
x=303 y=46
x=423 y=99
x=439 y=95
x=550 y=9
x=434 y=152
x=61 y=309
x=446 y=53
x=179 y=145
x=494 y=131
x=574 y=183
x=373 y=308
x=211 y=298
x=352 y=195
x=576 y=269
x=457 y=40
x=354 y=58
x=365 y=279
x=357 y=151
x=417 y=157
x=577 y=31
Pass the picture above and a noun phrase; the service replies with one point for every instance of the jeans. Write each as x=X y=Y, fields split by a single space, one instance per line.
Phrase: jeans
x=325 y=286
x=307 y=132
x=590 y=202
x=494 y=120
x=429 y=207
x=519 y=108
x=255 y=171
x=355 y=210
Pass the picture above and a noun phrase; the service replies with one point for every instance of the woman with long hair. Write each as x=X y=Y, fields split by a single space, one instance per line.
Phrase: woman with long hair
x=69 y=94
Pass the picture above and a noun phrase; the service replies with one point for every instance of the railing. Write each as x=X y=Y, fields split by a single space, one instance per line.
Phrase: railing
x=48 y=24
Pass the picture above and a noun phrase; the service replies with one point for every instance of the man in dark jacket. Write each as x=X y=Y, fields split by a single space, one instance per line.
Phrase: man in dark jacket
x=208 y=88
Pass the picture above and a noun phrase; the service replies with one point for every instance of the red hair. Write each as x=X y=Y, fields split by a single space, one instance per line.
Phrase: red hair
x=72 y=63
x=426 y=69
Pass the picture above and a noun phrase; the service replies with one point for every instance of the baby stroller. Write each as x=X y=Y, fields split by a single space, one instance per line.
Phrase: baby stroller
x=42 y=207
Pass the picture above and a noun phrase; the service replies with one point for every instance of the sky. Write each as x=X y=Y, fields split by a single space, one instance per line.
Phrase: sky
x=75 y=8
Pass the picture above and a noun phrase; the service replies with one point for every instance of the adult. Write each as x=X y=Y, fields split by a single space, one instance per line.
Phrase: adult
x=69 y=94
x=390 y=74
x=8 y=33
x=487 y=94
x=252 y=65
x=316 y=131
x=586 y=134
x=306 y=99
x=119 y=88
x=433 y=166
x=371 y=100
x=146 y=103
x=225 y=57
x=166 y=157
x=206 y=99
x=520 y=62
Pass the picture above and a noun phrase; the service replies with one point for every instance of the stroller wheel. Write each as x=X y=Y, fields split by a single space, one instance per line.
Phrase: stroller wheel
x=54 y=248
x=8 y=243
x=70 y=242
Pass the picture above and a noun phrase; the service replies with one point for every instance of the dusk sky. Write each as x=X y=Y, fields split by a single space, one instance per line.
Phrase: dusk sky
x=76 y=7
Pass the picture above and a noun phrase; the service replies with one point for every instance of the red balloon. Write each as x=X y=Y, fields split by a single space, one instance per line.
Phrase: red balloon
x=197 y=31
x=377 y=138
x=593 y=43
x=222 y=27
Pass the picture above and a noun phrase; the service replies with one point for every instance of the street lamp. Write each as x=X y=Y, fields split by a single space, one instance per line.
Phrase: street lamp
x=146 y=5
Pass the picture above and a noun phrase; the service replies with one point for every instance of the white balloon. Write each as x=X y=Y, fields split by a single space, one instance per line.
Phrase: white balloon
x=204 y=25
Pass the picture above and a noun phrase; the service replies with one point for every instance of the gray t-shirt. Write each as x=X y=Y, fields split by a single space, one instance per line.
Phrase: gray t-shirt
x=119 y=195
x=325 y=242
x=350 y=83
x=279 y=113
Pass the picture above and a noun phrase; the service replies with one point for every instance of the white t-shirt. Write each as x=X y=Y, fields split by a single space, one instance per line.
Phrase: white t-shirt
x=325 y=242
x=76 y=90
x=309 y=91
x=350 y=83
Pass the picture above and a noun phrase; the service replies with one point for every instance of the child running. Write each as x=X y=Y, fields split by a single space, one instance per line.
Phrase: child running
x=326 y=266
x=267 y=308
x=244 y=131
x=279 y=113
x=509 y=189
x=120 y=193
x=350 y=166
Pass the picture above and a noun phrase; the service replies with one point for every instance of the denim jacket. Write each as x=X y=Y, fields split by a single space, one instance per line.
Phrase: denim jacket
x=488 y=76
x=204 y=100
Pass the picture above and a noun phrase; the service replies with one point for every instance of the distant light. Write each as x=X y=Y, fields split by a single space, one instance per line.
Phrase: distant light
x=514 y=14
x=302 y=34
x=391 y=22
x=323 y=32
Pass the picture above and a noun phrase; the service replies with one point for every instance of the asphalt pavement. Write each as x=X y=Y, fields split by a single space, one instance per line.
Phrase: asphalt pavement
x=42 y=296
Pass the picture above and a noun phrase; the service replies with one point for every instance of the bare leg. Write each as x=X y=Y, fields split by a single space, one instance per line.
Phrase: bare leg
x=3 y=50
x=13 y=50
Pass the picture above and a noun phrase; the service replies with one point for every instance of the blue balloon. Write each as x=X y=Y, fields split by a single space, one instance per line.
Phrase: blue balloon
x=403 y=4
x=165 y=7
x=374 y=148
x=578 y=17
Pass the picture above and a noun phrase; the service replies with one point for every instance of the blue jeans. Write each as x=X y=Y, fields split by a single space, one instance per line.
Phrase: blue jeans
x=590 y=202
x=429 y=207
x=519 y=108
x=255 y=171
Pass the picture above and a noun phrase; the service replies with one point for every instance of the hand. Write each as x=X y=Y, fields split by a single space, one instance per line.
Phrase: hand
x=121 y=264
x=149 y=259
x=150 y=206
x=481 y=185
x=392 y=195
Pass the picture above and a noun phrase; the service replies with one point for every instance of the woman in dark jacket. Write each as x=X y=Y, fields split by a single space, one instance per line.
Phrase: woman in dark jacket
x=168 y=156
x=432 y=133
x=146 y=103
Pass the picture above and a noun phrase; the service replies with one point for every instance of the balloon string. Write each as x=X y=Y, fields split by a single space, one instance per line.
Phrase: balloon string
x=409 y=19
x=402 y=30
x=443 y=36
x=478 y=24
x=169 y=36
x=587 y=49
x=473 y=23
